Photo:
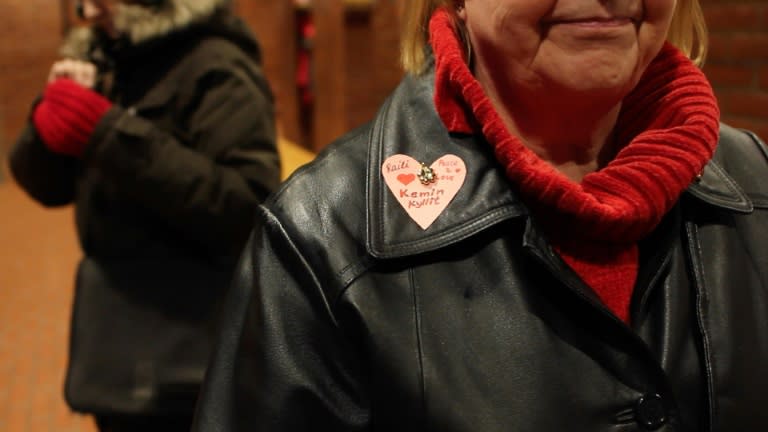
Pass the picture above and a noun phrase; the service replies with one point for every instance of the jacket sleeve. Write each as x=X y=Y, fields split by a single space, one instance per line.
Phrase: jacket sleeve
x=283 y=362
x=46 y=176
x=206 y=177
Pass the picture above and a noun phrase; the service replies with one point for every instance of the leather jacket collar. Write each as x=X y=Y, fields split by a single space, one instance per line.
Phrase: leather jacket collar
x=409 y=124
x=717 y=188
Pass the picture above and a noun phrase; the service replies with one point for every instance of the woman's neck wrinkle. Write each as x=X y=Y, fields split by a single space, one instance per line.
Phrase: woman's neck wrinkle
x=575 y=138
x=575 y=148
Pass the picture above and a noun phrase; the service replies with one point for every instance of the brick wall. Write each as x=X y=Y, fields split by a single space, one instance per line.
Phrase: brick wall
x=737 y=63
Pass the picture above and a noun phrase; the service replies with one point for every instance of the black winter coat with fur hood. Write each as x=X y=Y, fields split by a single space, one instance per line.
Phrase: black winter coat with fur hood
x=165 y=195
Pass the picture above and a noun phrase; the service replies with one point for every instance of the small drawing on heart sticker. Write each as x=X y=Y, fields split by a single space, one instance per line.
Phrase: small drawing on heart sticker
x=424 y=202
x=406 y=178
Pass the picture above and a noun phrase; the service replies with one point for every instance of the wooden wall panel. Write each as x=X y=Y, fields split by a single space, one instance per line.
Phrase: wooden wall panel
x=274 y=23
x=373 y=51
x=29 y=39
x=329 y=77
x=385 y=28
x=360 y=80
x=355 y=62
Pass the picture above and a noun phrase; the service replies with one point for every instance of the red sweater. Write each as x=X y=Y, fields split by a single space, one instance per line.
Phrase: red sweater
x=670 y=125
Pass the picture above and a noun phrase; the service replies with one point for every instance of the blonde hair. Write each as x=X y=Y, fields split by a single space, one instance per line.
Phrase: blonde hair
x=688 y=31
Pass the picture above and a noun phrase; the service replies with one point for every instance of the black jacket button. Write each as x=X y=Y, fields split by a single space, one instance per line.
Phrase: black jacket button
x=650 y=412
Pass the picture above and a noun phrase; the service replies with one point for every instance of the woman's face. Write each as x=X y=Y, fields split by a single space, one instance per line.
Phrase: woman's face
x=101 y=14
x=569 y=47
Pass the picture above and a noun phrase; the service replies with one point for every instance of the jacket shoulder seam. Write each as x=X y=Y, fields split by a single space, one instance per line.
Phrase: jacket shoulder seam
x=273 y=223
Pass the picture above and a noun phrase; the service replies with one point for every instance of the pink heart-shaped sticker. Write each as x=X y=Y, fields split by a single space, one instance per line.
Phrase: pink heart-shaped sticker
x=424 y=202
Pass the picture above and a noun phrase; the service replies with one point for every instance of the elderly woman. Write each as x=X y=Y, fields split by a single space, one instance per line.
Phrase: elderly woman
x=545 y=228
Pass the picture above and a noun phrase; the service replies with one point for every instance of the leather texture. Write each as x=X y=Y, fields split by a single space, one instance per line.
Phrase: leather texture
x=350 y=317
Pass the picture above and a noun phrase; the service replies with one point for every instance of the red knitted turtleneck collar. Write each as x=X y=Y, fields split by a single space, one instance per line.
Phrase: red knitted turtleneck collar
x=671 y=122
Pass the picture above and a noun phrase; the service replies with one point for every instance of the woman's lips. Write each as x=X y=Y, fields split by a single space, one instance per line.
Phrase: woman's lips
x=591 y=21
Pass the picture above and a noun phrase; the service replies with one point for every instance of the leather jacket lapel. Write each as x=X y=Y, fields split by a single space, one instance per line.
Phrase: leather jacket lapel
x=409 y=124
x=717 y=188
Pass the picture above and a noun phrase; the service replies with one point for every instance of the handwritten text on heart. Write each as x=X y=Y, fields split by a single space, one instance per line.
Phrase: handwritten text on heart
x=423 y=203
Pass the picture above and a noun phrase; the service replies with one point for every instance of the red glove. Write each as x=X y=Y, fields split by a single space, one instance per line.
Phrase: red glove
x=67 y=116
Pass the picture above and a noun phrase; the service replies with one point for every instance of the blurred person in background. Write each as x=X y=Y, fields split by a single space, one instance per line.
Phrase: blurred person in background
x=546 y=228
x=158 y=125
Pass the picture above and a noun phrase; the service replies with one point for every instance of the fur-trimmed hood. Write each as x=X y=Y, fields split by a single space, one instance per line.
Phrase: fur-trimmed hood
x=141 y=23
x=138 y=24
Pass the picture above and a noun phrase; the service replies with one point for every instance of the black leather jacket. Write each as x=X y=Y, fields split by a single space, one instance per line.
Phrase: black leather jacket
x=350 y=317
